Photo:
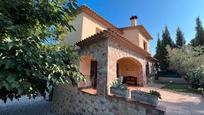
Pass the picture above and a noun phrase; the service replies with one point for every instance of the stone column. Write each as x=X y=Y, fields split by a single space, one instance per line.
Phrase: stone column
x=102 y=75
x=144 y=75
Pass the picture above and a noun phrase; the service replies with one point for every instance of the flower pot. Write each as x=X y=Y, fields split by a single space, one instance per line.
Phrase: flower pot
x=144 y=97
x=119 y=92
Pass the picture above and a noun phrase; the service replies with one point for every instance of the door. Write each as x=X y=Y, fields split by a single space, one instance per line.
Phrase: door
x=117 y=70
x=94 y=73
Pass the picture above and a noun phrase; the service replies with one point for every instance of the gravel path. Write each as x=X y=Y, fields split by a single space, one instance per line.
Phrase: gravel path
x=25 y=106
x=179 y=103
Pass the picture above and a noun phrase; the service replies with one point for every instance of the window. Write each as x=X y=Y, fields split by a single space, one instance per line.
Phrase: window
x=98 y=30
x=145 y=45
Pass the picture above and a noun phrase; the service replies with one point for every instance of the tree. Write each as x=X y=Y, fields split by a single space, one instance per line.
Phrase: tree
x=185 y=59
x=157 y=56
x=166 y=41
x=188 y=61
x=180 y=40
x=166 y=38
x=28 y=66
x=199 y=37
x=164 y=62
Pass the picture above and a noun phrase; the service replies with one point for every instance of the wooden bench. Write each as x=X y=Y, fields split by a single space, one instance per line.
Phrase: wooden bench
x=130 y=80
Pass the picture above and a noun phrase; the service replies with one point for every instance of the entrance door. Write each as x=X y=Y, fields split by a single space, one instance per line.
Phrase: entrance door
x=94 y=73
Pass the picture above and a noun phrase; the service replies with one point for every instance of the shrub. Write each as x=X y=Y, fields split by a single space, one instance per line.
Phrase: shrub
x=119 y=84
x=196 y=77
x=156 y=93
x=185 y=59
x=30 y=62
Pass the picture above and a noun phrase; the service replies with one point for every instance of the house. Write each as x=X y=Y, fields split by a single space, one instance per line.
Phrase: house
x=107 y=52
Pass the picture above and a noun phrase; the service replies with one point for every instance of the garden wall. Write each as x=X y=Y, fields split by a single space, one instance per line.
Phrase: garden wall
x=172 y=80
x=68 y=100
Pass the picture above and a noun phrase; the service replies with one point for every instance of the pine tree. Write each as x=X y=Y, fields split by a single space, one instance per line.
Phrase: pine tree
x=166 y=38
x=199 y=37
x=158 y=53
x=163 y=62
x=180 y=40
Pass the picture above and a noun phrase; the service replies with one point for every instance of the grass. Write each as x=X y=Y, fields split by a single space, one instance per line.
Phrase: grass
x=181 y=88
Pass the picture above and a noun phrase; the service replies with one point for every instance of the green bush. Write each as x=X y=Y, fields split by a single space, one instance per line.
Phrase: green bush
x=196 y=77
x=185 y=59
x=119 y=84
x=156 y=93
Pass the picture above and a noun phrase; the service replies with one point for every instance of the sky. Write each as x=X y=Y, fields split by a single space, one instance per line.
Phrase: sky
x=153 y=14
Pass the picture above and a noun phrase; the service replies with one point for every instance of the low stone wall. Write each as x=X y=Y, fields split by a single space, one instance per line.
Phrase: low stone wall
x=171 y=80
x=68 y=100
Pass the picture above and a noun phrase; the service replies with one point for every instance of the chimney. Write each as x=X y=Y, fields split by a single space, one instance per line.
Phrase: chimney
x=133 y=20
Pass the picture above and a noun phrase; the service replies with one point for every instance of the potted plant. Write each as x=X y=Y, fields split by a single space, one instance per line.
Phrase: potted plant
x=150 y=98
x=119 y=89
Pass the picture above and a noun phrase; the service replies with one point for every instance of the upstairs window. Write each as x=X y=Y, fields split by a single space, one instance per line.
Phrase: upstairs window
x=98 y=30
x=145 y=45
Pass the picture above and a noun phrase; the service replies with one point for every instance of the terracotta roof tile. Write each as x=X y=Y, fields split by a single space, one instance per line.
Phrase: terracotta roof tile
x=114 y=35
x=97 y=17
x=113 y=32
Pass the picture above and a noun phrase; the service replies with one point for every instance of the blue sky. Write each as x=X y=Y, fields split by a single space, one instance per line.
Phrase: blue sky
x=153 y=14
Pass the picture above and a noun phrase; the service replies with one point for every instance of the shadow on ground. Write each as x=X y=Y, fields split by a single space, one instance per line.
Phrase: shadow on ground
x=25 y=106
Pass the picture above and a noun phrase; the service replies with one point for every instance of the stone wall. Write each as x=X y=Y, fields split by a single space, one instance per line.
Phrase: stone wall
x=68 y=100
x=99 y=52
x=116 y=52
x=107 y=52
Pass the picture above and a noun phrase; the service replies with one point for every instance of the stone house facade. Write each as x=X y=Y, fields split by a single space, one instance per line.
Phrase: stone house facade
x=107 y=52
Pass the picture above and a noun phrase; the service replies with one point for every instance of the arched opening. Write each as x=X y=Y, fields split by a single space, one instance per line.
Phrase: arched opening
x=88 y=67
x=130 y=70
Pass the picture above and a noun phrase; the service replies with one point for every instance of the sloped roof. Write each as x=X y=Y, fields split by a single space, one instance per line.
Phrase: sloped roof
x=100 y=19
x=97 y=17
x=114 y=35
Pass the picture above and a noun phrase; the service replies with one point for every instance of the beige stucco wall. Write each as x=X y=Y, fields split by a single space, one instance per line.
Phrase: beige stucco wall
x=132 y=36
x=85 y=26
x=74 y=36
x=141 y=41
x=89 y=26
x=136 y=37
x=85 y=65
x=85 y=68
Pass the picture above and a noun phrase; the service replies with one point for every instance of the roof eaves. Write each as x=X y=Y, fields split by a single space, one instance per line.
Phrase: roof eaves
x=91 y=38
x=112 y=34
x=97 y=17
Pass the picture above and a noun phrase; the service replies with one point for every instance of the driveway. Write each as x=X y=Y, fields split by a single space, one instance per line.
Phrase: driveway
x=179 y=103
x=175 y=103
x=25 y=106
